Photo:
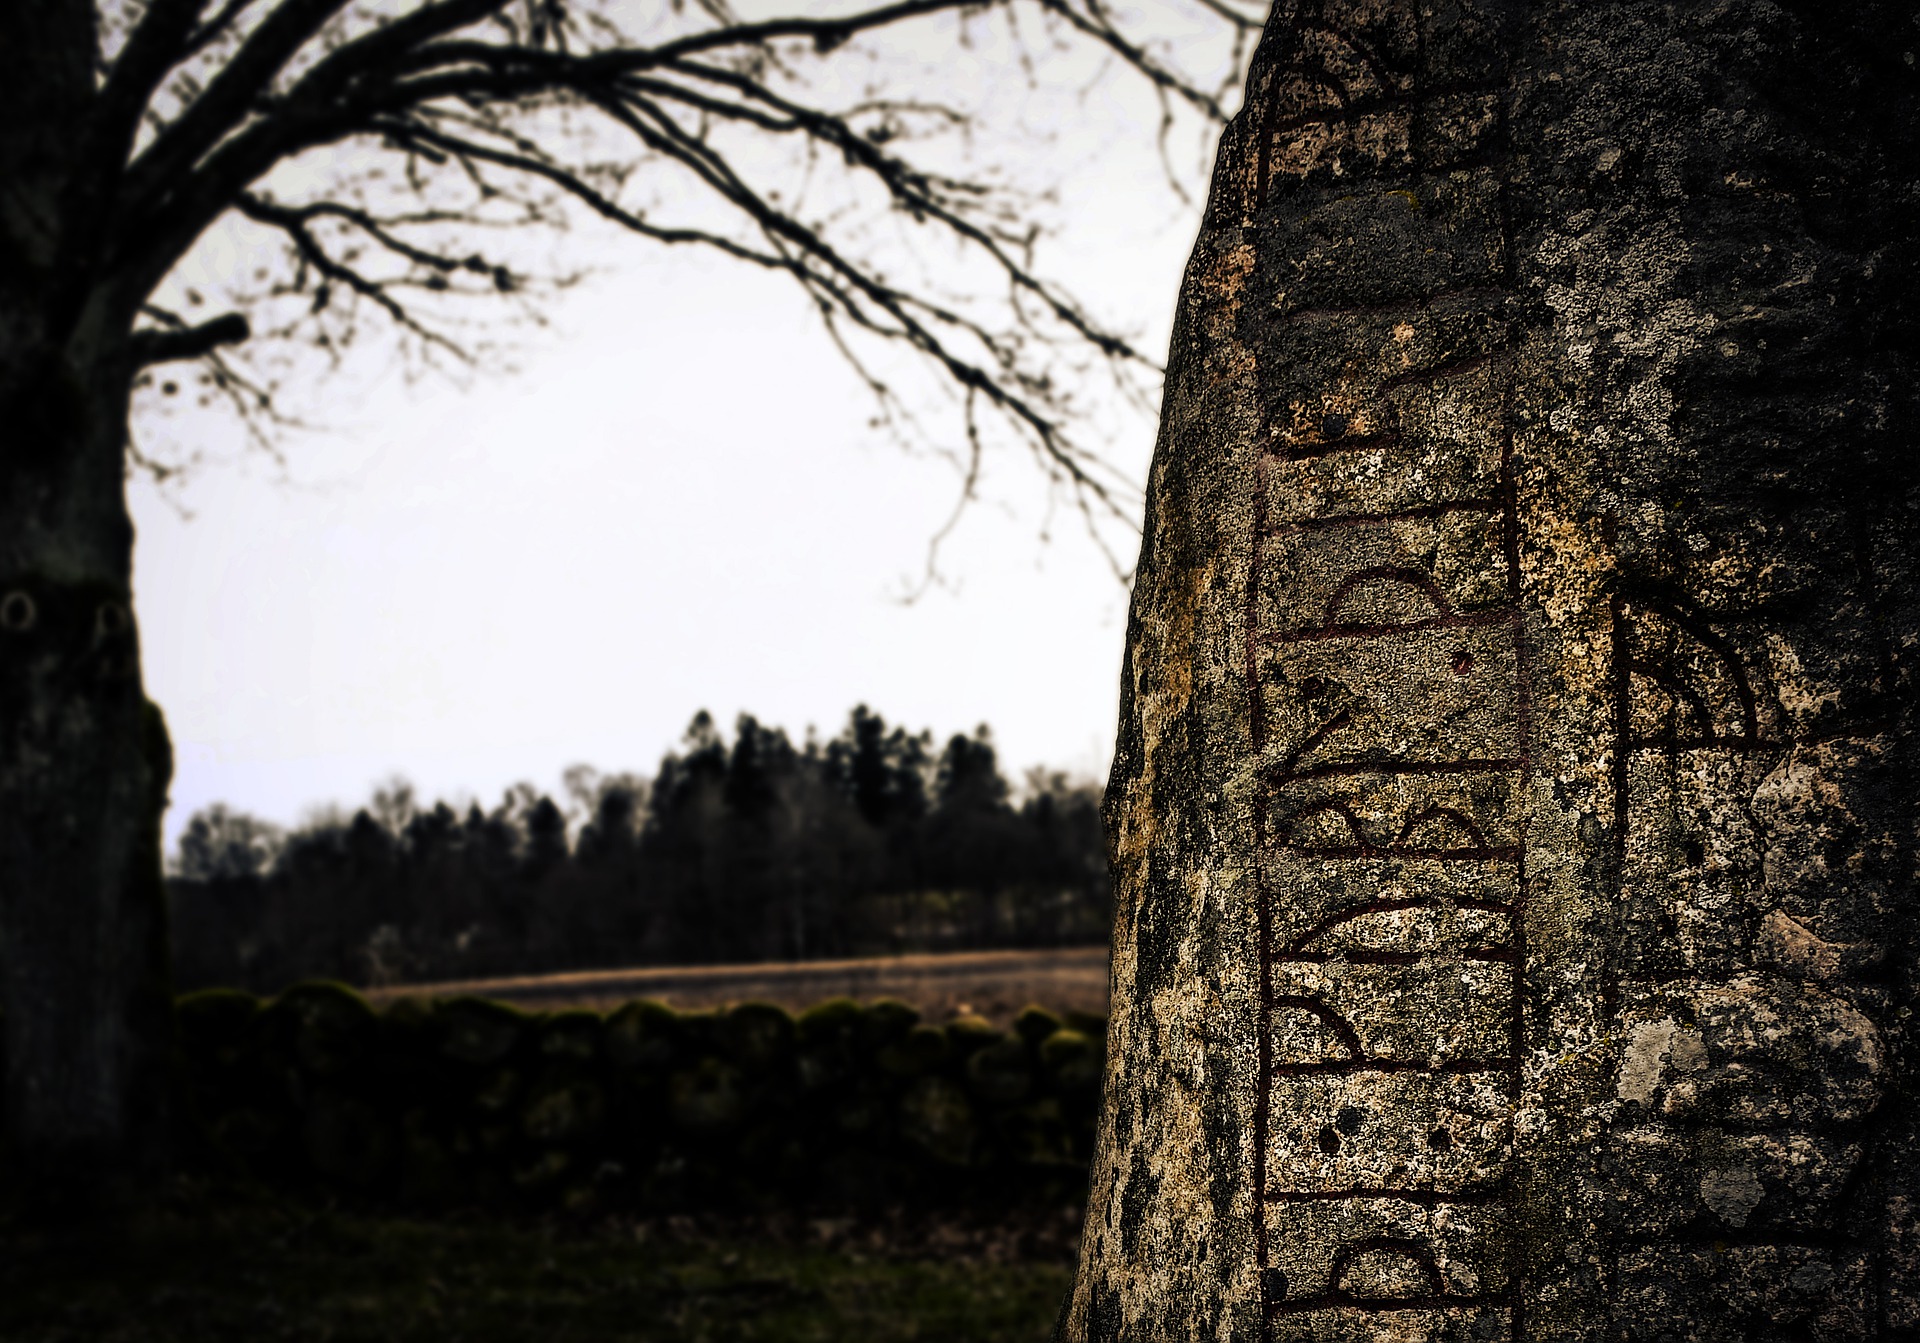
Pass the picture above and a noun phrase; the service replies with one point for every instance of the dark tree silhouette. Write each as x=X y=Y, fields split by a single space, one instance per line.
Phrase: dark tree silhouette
x=881 y=772
x=745 y=850
x=968 y=776
x=131 y=128
x=220 y=844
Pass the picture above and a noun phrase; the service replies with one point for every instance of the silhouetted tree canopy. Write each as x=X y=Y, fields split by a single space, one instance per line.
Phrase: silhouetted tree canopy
x=394 y=158
x=749 y=849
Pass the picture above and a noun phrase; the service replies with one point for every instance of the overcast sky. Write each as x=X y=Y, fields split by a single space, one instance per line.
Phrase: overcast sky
x=675 y=503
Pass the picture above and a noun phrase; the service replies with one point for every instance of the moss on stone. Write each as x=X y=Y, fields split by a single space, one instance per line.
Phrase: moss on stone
x=1072 y=1060
x=1001 y=1073
x=1035 y=1024
x=920 y=1050
x=216 y=1015
x=859 y=1111
x=937 y=1118
x=412 y=1013
x=219 y=1035
x=699 y=1032
x=331 y=1027
x=707 y=1099
x=828 y=1036
x=451 y=1103
x=575 y=1036
x=1037 y=1134
x=833 y=1020
x=886 y=1020
x=480 y=1030
x=498 y=1091
x=564 y=1113
x=756 y=1036
x=329 y=998
x=1087 y=1023
x=642 y=1035
x=967 y=1034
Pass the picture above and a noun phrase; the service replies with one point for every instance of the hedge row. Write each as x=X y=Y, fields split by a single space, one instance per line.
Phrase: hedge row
x=448 y=1103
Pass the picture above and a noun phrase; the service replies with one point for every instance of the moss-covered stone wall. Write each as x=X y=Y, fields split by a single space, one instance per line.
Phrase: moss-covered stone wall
x=440 y=1104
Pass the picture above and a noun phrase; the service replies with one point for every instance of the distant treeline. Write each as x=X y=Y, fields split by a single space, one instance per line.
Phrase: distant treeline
x=748 y=850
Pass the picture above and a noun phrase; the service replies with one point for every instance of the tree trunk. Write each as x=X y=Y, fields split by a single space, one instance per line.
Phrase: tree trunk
x=84 y=762
x=84 y=767
x=1512 y=818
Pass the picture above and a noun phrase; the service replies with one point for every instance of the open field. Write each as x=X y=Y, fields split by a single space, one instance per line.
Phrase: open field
x=992 y=984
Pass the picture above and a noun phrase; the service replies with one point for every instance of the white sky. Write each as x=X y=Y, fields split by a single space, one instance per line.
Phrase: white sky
x=675 y=503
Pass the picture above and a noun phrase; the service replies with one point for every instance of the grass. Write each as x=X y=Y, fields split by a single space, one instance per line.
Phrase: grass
x=221 y=1269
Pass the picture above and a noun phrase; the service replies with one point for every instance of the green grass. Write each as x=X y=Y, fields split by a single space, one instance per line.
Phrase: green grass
x=214 y=1271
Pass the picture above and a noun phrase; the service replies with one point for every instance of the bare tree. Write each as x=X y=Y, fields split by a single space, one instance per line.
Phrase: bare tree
x=388 y=146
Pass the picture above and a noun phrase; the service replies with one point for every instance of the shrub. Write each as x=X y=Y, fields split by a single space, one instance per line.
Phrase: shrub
x=470 y=1102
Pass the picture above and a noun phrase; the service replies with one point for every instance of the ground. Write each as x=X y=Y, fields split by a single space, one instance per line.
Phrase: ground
x=214 y=1266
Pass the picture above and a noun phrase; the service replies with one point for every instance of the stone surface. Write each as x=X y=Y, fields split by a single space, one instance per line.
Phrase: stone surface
x=1513 y=808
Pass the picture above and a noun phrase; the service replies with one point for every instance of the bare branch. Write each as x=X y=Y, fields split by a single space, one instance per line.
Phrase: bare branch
x=825 y=34
x=296 y=223
x=1247 y=24
x=427 y=137
x=837 y=283
x=165 y=345
x=467 y=95
x=1097 y=25
x=209 y=31
x=912 y=189
x=152 y=49
x=240 y=90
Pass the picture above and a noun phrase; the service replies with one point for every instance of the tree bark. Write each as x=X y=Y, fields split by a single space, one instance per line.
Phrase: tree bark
x=1512 y=817
x=84 y=761
x=84 y=767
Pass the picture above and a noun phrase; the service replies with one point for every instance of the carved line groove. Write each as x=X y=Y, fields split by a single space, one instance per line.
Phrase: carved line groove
x=1422 y=1282
x=1426 y=512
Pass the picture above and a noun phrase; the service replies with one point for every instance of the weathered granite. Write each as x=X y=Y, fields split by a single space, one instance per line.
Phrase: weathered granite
x=1513 y=809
